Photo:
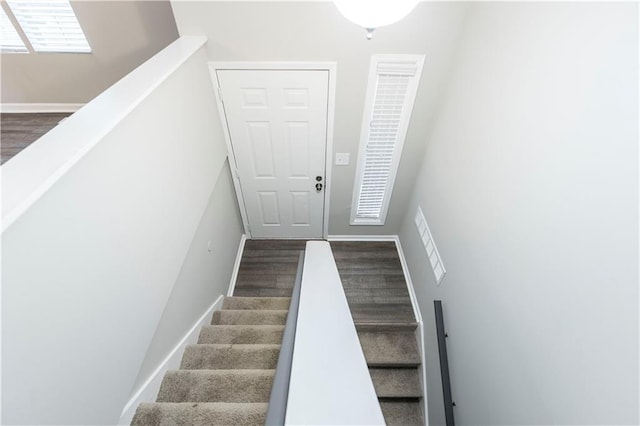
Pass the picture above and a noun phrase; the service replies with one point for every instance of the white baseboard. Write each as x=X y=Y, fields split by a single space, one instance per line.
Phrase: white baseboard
x=149 y=390
x=422 y=371
x=419 y=329
x=39 y=108
x=236 y=266
x=362 y=238
x=407 y=276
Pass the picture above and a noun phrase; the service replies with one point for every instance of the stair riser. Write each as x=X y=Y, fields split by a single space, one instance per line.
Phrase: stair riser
x=396 y=382
x=241 y=335
x=198 y=386
x=249 y=317
x=257 y=303
x=229 y=357
x=389 y=349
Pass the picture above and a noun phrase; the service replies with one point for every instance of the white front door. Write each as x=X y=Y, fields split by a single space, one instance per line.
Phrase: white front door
x=277 y=121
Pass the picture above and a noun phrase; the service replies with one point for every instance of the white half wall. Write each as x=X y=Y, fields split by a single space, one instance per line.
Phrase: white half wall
x=90 y=262
x=530 y=186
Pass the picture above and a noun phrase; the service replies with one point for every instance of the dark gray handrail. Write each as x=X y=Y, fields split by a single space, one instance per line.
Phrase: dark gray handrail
x=280 y=390
x=444 y=364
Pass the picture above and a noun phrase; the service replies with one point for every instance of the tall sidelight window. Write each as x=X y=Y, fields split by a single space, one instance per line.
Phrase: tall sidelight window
x=391 y=92
x=50 y=26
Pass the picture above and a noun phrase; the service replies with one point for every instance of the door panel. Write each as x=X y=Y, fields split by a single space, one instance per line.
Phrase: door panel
x=277 y=120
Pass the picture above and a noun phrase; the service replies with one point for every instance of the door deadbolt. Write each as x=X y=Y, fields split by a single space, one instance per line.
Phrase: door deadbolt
x=319 y=178
x=318 y=187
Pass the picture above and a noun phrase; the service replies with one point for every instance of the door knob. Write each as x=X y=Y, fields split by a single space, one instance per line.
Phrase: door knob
x=318 y=187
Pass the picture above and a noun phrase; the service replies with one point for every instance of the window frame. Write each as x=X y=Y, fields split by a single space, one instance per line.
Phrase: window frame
x=27 y=37
x=407 y=109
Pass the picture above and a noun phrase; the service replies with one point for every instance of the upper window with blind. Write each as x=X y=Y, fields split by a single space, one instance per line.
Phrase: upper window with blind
x=49 y=26
x=391 y=92
x=11 y=41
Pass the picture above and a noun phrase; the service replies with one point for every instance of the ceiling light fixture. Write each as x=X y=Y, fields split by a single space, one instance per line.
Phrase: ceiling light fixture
x=371 y=14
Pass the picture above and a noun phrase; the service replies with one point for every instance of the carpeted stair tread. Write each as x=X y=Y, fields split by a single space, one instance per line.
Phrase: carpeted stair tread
x=396 y=382
x=402 y=413
x=229 y=356
x=199 y=414
x=389 y=349
x=239 y=334
x=257 y=303
x=249 y=317
x=216 y=386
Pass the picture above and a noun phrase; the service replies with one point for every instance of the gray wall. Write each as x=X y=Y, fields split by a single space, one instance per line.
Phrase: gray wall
x=122 y=35
x=530 y=186
x=315 y=31
x=205 y=275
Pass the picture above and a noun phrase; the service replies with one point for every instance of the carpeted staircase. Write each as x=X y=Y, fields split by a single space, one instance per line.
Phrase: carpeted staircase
x=226 y=378
x=391 y=351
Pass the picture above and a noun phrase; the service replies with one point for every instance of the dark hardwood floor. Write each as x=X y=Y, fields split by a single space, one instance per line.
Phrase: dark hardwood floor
x=268 y=268
x=371 y=275
x=17 y=131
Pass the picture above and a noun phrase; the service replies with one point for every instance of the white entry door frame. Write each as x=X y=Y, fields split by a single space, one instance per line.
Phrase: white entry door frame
x=330 y=67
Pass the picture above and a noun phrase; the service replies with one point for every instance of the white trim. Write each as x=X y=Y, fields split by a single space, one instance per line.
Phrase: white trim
x=362 y=238
x=407 y=277
x=149 y=389
x=9 y=108
x=422 y=371
x=419 y=330
x=328 y=168
x=331 y=68
x=236 y=265
x=415 y=62
x=271 y=65
x=233 y=165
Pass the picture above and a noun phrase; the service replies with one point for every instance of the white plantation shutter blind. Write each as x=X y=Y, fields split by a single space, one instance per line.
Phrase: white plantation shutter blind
x=50 y=26
x=11 y=41
x=391 y=93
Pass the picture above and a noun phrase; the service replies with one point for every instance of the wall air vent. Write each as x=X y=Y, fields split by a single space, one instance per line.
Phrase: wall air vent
x=430 y=246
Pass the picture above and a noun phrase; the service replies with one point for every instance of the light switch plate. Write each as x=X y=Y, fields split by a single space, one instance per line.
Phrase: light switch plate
x=342 y=158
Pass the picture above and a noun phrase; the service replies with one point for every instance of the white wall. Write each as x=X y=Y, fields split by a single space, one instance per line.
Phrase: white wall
x=530 y=186
x=89 y=266
x=122 y=35
x=315 y=31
